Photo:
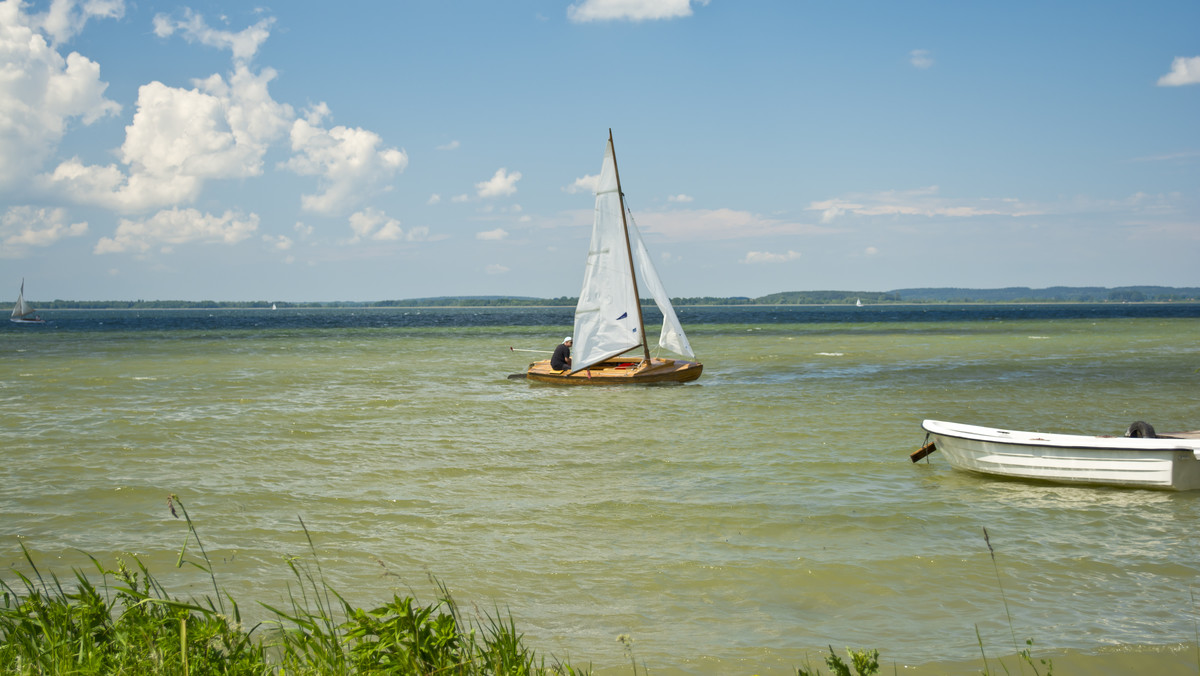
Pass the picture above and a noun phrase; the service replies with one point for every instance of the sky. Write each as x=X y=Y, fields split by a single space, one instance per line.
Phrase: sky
x=221 y=150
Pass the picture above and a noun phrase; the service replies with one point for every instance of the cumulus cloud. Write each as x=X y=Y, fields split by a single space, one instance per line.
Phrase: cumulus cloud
x=434 y=199
x=630 y=10
x=242 y=44
x=1184 y=71
x=497 y=234
x=920 y=58
x=373 y=224
x=177 y=226
x=680 y=198
x=768 y=257
x=179 y=139
x=453 y=145
x=500 y=184
x=495 y=269
x=41 y=92
x=66 y=18
x=350 y=163
x=221 y=128
x=585 y=184
x=24 y=227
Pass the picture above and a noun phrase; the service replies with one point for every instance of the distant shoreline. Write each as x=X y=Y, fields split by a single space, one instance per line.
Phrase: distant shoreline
x=918 y=296
x=938 y=296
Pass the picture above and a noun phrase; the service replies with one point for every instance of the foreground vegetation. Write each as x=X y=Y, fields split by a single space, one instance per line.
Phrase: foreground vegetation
x=129 y=624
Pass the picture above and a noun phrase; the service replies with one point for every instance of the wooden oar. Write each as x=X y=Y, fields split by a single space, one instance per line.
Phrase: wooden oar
x=925 y=450
x=517 y=349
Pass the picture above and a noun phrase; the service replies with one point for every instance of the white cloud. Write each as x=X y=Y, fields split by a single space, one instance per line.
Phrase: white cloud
x=41 y=92
x=495 y=269
x=500 y=184
x=178 y=226
x=23 y=227
x=434 y=199
x=585 y=184
x=1184 y=71
x=497 y=234
x=373 y=224
x=280 y=242
x=66 y=18
x=459 y=199
x=920 y=202
x=680 y=198
x=767 y=257
x=871 y=251
x=453 y=145
x=631 y=10
x=180 y=138
x=920 y=58
x=717 y=224
x=350 y=164
x=242 y=44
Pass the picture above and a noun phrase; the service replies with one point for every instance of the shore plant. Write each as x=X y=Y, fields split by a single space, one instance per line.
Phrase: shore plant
x=127 y=623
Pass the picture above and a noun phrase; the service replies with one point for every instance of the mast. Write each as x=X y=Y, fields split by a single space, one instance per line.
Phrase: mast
x=629 y=250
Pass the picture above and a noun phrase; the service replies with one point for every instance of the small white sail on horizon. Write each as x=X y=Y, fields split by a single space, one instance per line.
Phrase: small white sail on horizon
x=607 y=316
x=23 y=311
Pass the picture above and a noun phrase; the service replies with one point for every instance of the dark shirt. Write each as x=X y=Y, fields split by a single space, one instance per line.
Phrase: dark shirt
x=561 y=359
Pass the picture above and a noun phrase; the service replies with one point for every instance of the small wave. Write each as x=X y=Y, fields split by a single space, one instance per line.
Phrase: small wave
x=831 y=354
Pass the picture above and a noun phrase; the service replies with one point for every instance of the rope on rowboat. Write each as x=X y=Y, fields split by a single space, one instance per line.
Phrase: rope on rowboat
x=924 y=451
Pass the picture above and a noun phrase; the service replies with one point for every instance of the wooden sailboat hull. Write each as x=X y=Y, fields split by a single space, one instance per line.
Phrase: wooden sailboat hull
x=618 y=371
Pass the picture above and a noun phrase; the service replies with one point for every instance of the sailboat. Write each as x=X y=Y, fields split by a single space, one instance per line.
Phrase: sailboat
x=858 y=302
x=608 y=317
x=23 y=313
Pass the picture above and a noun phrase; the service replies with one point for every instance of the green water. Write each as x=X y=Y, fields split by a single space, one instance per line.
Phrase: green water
x=735 y=525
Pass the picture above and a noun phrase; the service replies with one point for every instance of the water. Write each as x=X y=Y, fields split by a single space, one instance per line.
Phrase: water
x=739 y=524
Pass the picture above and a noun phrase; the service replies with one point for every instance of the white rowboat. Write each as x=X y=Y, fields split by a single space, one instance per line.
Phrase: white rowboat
x=1169 y=462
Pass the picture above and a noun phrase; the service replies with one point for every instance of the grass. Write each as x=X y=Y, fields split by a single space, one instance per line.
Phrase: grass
x=128 y=624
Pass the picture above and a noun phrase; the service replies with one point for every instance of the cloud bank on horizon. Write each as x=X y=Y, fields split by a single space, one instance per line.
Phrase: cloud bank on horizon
x=132 y=188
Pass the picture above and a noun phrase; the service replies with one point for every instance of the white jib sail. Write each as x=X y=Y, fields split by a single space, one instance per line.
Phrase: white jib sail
x=672 y=337
x=606 y=318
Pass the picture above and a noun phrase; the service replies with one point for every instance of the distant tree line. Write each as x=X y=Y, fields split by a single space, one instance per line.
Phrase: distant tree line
x=1014 y=294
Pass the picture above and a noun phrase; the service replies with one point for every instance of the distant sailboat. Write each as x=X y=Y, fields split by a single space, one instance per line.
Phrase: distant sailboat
x=24 y=313
x=273 y=307
x=608 y=318
x=858 y=302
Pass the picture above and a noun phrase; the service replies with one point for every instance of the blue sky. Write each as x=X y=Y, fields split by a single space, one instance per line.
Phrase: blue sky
x=370 y=151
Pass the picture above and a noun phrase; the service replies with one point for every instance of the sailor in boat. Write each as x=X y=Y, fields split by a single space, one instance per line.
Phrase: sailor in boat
x=561 y=360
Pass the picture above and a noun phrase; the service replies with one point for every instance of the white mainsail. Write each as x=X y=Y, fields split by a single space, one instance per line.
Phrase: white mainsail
x=607 y=318
x=22 y=309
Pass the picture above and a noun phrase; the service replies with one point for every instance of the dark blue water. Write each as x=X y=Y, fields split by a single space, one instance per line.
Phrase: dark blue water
x=692 y=317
